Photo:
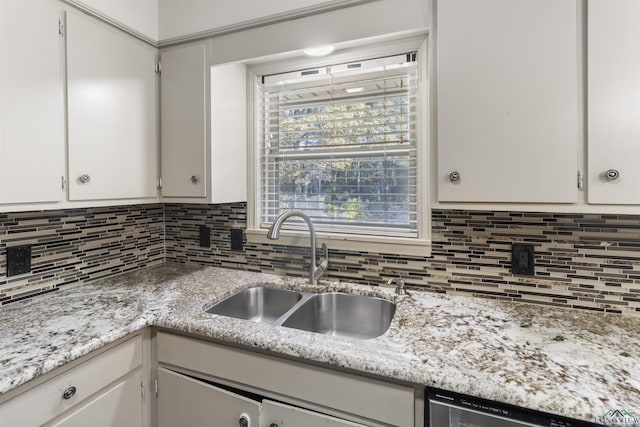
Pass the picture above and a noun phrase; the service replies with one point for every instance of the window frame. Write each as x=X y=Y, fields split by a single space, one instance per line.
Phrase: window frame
x=420 y=245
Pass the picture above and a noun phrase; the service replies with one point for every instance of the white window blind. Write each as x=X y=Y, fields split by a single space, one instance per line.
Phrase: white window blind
x=339 y=143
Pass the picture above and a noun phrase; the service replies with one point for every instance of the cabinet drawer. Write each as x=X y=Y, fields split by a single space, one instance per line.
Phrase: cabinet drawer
x=46 y=401
x=120 y=405
x=365 y=397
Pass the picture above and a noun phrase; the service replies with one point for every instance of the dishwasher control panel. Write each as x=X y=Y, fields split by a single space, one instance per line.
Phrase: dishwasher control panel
x=448 y=409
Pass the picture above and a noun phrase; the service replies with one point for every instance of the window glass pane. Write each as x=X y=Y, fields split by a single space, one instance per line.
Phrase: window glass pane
x=342 y=148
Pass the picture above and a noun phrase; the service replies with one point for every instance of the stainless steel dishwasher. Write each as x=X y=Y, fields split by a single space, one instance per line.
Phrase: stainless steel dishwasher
x=447 y=409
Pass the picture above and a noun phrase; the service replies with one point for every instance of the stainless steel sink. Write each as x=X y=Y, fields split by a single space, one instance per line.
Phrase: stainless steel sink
x=347 y=315
x=257 y=304
x=337 y=314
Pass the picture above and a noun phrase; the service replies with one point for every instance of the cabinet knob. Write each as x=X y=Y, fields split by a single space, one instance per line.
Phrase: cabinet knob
x=84 y=178
x=454 y=176
x=611 y=175
x=69 y=393
x=194 y=179
x=273 y=425
x=243 y=421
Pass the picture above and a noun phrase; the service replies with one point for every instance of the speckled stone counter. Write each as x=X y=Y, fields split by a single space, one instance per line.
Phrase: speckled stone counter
x=566 y=362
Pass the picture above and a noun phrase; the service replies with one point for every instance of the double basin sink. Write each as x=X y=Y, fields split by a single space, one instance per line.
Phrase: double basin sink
x=337 y=314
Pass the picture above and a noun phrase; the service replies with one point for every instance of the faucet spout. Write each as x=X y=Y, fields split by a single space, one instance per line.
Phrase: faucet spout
x=315 y=270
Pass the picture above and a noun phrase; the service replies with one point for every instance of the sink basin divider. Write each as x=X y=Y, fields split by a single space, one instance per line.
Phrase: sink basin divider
x=305 y=297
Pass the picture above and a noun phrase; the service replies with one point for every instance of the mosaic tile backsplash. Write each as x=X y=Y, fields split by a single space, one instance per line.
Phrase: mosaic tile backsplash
x=73 y=246
x=583 y=261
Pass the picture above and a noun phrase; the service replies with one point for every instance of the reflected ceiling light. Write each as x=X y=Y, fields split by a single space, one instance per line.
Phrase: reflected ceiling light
x=319 y=51
x=354 y=89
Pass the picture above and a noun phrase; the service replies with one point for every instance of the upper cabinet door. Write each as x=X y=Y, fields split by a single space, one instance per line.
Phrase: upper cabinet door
x=112 y=110
x=31 y=101
x=228 y=133
x=507 y=101
x=183 y=119
x=614 y=101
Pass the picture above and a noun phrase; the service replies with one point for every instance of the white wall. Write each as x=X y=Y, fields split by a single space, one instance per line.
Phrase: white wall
x=182 y=17
x=140 y=15
x=357 y=22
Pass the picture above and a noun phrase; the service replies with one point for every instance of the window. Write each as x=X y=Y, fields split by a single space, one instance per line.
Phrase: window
x=341 y=142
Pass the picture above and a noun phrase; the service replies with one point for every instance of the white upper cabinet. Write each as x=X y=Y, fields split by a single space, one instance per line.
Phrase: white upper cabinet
x=31 y=102
x=111 y=83
x=203 y=121
x=613 y=41
x=228 y=133
x=183 y=118
x=507 y=101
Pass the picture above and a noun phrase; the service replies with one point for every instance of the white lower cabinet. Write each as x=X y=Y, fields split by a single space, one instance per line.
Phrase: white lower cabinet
x=120 y=405
x=199 y=383
x=185 y=401
x=291 y=393
x=276 y=414
x=105 y=390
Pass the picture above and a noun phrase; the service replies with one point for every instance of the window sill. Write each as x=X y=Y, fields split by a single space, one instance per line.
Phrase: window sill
x=347 y=242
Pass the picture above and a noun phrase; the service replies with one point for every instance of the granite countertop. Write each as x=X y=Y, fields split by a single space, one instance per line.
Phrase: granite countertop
x=566 y=362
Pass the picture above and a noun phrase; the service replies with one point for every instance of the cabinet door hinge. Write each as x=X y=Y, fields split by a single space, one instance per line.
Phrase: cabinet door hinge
x=155 y=386
x=62 y=182
x=159 y=183
x=142 y=389
x=60 y=27
x=158 y=66
x=580 y=180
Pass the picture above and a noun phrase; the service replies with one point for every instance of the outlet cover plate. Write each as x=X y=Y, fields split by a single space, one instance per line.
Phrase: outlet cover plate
x=237 y=239
x=204 y=236
x=18 y=260
x=522 y=259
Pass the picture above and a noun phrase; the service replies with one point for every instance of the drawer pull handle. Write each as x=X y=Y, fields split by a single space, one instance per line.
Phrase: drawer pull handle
x=69 y=393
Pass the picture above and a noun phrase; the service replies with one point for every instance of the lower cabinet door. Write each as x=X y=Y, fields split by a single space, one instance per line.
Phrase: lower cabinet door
x=119 y=406
x=280 y=415
x=183 y=401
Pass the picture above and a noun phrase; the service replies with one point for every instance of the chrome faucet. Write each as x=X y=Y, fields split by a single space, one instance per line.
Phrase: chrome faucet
x=315 y=271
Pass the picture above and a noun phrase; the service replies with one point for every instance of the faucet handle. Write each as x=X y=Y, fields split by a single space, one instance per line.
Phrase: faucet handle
x=319 y=269
x=325 y=253
x=324 y=263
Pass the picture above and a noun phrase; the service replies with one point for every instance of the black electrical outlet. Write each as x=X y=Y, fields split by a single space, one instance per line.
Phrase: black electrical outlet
x=205 y=236
x=236 y=239
x=18 y=260
x=522 y=259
